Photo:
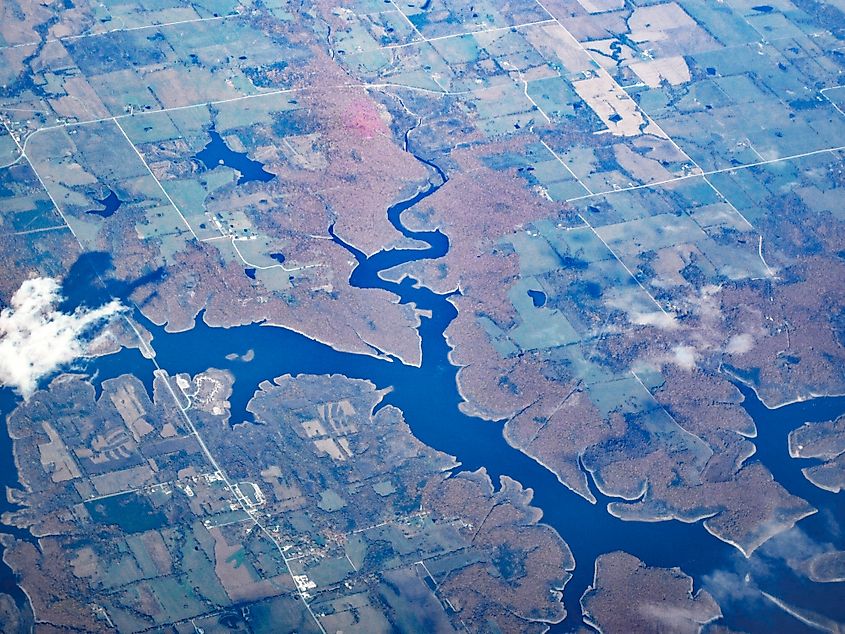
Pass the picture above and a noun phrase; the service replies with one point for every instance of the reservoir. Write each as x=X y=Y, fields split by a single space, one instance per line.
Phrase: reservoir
x=588 y=528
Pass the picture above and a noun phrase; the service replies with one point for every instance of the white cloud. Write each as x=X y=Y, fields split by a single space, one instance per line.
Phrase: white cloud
x=658 y=319
x=740 y=344
x=36 y=338
x=730 y=586
x=685 y=357
x=681 y=618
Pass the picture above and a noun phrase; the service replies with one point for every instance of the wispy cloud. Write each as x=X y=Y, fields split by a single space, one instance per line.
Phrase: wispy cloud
x=36 y=338
x=757 y=582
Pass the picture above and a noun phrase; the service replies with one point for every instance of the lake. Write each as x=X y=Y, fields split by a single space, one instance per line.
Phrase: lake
x=588 y=528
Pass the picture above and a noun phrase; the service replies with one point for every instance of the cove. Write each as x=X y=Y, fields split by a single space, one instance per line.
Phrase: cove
x=8 y=478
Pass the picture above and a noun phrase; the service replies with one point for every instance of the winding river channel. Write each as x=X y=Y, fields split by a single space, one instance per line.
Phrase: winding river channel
x=429 y=398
